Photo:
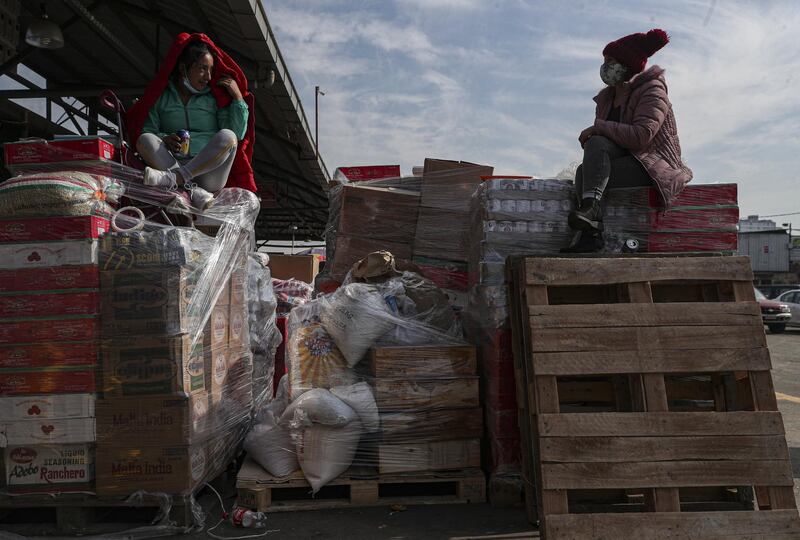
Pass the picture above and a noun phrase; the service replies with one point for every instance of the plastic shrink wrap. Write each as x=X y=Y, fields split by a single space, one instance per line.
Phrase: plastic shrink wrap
x=379 y=377
x=133 y=352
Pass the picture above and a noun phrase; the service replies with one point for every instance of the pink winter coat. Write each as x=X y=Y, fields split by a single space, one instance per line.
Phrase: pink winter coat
x=647 y=128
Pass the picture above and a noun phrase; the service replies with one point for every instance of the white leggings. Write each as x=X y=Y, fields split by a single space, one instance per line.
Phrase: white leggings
x=209 y=168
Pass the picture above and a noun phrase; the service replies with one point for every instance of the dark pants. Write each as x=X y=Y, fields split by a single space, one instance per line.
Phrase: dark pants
x=607 y=165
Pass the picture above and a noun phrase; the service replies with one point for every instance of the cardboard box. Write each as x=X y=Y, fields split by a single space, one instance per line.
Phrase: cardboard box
x=77 y=149
x=692 y=195
x=422 y=361
x=175 y=470
x=442 y=234
x=47 y=406
x=215 y=333
x=425 y=394
x=57 y=468
x=80 y=328
x=238 y=330
x=152 y=301
x=47 y=431
x=44 y=279
x=48 y=381
x=153 y=421
x=449 y=185
x=52 y=229
x=217 y=361
x=152 y=365
x=169 y=246
x=367 y=172
x=42 y=254
x=47 y=303
x=453 y=275
x=351 y=249
x=49 y=355
x=301 y=267
x=238 y=287
x=430 y=456
x=380 y=213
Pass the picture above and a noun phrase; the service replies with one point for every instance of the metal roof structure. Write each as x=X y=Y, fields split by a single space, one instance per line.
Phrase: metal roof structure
x=118 y=44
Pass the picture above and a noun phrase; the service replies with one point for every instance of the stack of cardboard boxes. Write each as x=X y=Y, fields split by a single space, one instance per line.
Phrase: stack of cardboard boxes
x=177 y=373
x=442 y=234
x=703 y=218
x=373 y=219
x=49 y=351
x=509 y=215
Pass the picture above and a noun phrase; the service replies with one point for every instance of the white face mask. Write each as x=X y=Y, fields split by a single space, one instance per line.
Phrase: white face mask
x=613 y=73
x=191 y=89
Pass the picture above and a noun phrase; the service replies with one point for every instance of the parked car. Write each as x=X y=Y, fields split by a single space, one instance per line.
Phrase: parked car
x=773 y=291
x=775 y=315
x=792 y=299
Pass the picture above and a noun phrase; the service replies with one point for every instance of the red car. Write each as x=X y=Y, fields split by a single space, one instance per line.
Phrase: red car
x=775 y=314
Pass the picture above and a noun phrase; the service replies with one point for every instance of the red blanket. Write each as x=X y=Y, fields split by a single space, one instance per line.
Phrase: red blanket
x=241 y=175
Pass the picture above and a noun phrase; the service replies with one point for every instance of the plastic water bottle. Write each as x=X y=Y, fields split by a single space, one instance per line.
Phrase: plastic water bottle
x=242 y=517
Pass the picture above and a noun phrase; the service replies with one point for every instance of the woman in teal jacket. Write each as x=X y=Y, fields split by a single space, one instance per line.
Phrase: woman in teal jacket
x=187 y=104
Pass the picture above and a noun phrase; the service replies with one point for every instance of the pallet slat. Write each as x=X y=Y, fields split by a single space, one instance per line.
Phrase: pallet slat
x=627 y=449
x=647 y=338
x=627 y=315
x=565 y=271
x=775 y=525
x=657 y=361
x=672 y=474
x=661 y=424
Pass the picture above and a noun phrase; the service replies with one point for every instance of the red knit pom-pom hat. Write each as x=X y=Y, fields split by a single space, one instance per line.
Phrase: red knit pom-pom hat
x=633 y=51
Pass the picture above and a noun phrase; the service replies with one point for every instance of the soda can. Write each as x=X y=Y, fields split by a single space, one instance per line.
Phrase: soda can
x=184 y=136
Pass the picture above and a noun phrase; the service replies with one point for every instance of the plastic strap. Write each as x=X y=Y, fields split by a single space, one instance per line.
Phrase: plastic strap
x=139 y=215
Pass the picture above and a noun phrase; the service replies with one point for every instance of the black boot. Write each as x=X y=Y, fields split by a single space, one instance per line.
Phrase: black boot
x=585 y=242
x=588 y=218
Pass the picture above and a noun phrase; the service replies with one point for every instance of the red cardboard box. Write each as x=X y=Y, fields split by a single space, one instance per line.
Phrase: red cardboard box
x=52 y=228
x=79 y=328
x=692 y=241
x=54 y=355
x=452 y=275
x=368 y=172
x=48 y=254
x=50 y=279
x=40 y=304
x=17 y=383
x=83 y=149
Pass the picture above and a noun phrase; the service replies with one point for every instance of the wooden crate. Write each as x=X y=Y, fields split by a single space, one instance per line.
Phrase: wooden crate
x=643 y=321
x=422 y=361
x=437 y=425
x=359 y=486
x=429 y=456
x=421 y=394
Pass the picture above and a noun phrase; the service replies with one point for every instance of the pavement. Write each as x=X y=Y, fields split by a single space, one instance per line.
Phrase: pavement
x=475 y=521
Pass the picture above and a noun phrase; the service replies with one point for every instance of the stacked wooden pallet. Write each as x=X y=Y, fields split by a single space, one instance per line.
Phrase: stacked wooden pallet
x=428 y=449
x=688 y=424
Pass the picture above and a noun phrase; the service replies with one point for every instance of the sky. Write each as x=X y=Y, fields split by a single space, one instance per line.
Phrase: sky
x=510 y=83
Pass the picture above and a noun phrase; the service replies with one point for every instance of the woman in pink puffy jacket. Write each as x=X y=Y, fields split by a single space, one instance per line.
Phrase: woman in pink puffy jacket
x=633 y=141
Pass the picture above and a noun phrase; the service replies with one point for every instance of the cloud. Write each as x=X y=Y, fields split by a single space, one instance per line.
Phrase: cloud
x=510 y=82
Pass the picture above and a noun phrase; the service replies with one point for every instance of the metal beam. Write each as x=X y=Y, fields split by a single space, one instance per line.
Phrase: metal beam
x=67 y=92
x=107 y=36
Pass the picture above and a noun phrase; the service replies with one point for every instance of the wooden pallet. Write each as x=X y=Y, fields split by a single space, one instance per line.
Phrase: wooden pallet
x=359 y=486
x=85 y=514
x=659 y=329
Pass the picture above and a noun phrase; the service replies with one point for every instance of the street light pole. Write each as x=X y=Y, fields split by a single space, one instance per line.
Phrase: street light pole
x=317 y=93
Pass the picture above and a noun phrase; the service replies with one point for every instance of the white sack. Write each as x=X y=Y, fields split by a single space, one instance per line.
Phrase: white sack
x=360 y=398
x=269 y=443
x=355 y=316
x=325 y=452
